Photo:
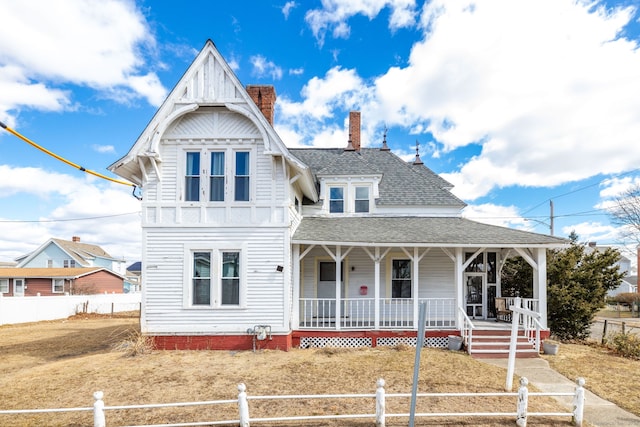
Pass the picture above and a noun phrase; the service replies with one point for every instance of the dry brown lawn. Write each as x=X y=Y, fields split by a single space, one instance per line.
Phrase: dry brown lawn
x=61 y=363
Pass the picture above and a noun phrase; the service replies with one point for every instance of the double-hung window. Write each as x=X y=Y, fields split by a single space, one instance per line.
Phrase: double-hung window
x=201 y=278
x=401 y=278
x=192 y=177
x=69 y=263
x=216 y=179
x=242 y=176
x=4 y=286
x=215 y=278
x=57 y=286
x=217 y=176
x=362 y=200
x=336 y=199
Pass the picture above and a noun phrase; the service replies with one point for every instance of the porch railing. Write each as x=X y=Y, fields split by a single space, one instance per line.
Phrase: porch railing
x=358 y=313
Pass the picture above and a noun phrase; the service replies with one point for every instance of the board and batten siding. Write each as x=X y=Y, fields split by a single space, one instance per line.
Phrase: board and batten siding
x=266 y=288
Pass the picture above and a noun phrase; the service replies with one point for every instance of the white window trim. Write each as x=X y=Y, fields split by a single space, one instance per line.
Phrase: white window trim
x=349 y=194
x=216 y=276
x=390 y=278
x=4 y=286
x=205 y=174
x=53 y=286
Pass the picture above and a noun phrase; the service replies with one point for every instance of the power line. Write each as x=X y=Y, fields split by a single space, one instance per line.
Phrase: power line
x=68 y=219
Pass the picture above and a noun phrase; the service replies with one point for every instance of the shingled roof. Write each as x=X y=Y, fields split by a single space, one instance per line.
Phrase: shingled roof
x=402 y=183
x=417 y=231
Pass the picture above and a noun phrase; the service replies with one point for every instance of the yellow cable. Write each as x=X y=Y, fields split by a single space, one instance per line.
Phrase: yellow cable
x=99 y=175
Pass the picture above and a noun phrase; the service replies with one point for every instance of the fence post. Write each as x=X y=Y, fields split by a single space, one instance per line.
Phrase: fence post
x=523 y=403
x=98 y=410
x=604 y=333
x=578 y=403
x=243 y=405
x=380 y=403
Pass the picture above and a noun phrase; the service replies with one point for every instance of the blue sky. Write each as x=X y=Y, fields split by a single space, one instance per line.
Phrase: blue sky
x=515 y=102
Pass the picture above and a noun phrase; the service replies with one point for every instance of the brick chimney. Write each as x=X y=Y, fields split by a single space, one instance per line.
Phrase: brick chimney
x=75 y=239
x=354 y=129
x=264 y=96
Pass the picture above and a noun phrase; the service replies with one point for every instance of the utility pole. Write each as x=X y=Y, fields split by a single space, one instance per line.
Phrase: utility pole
x=551 y=216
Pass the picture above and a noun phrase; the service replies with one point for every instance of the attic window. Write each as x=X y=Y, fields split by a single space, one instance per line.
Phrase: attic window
x=69 y=263
x=336 y=199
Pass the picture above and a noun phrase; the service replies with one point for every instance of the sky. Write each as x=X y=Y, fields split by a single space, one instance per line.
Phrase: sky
x=521 y=104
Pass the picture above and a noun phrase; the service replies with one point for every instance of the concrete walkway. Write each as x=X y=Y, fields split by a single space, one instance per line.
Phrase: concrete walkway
x=598 y=412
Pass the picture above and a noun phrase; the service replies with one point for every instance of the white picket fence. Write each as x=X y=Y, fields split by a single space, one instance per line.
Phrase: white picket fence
x=38 y=308
x=520 y=415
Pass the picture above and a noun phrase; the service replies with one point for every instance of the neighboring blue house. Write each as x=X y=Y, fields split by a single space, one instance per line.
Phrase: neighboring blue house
x=58 y=253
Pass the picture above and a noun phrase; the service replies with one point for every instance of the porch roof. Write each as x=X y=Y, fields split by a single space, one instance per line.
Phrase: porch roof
x=416 y=231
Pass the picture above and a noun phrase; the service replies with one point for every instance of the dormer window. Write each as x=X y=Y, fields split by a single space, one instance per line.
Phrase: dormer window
x=362 y=200
x=336 y=199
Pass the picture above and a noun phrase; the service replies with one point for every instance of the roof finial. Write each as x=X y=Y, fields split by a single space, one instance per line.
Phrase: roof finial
x=384 y=147
x=417 y=161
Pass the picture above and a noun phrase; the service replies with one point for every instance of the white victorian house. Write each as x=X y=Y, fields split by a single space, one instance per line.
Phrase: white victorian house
x=246 y=240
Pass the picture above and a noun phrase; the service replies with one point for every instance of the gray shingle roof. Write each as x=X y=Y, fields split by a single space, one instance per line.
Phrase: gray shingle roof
x=421 y=231
x=402 y=183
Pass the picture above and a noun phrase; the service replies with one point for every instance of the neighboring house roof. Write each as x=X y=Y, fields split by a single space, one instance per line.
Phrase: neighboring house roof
x=418 y=231
x=80 y=252
x=402 y=183
x=632 y=280
x=136 y=267
x=40 y=273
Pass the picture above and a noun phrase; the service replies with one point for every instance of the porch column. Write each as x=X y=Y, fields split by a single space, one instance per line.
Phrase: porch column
x=540 y=285
x=295 y=321
x=376 y=287
x=460 y=303
x=338 y=261
x=415 y=286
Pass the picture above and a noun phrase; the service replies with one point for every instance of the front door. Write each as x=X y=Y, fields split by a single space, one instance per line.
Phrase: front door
x=18 y=287
x=475 y=295
x=326 y=291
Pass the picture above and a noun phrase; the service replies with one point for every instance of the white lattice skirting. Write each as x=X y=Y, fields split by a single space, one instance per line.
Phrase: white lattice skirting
x=354 y=342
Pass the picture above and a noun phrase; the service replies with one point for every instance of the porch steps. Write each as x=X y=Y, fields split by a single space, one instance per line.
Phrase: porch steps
x=494 y=344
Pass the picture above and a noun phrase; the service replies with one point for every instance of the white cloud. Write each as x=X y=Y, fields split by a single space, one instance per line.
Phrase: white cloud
x=63 y=206
x=94 y=43
x=540 y=103
x=263 y=67
x=544 y=88
x=286 y=9
x=104 y=148
x=504 y=216
x=334 y=14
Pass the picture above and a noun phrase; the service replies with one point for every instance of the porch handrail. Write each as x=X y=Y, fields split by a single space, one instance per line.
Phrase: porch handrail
x=530 y=320
x=466 y=329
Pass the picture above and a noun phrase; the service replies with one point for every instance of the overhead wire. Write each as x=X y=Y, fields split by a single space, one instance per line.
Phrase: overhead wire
x=68 y=162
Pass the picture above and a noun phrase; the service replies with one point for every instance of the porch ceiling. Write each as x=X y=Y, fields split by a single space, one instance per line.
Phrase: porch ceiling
x=418 y=231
